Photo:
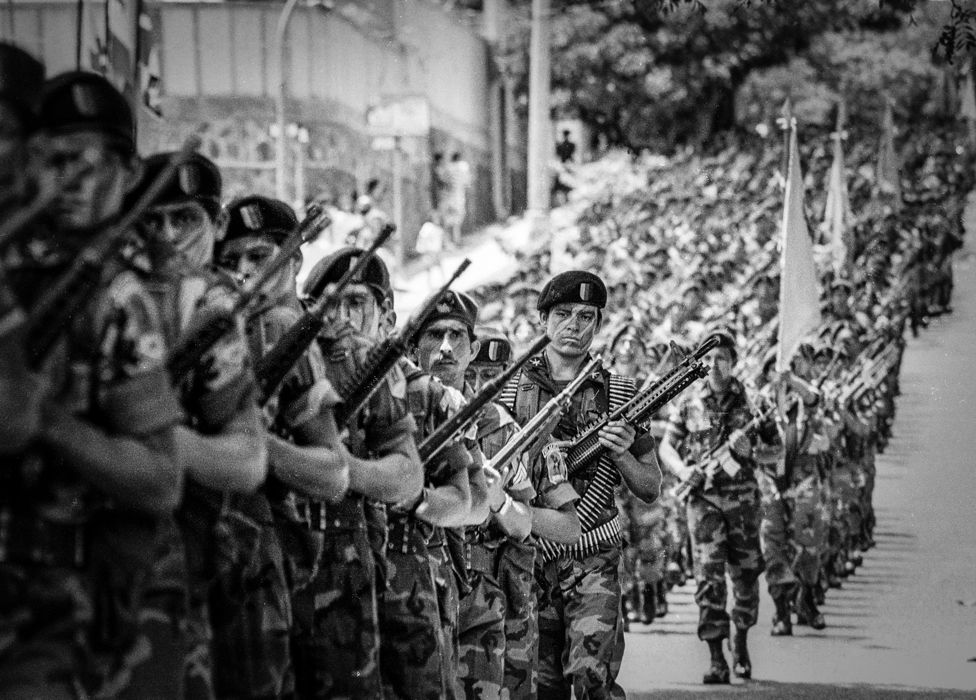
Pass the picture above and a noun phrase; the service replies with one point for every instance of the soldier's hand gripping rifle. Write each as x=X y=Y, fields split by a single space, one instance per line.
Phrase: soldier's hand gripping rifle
x=55 y=309
x=385 y=354
x=274 y=366
x=459 y=423
x=585 y=448
x=188 y=354
x=542 y=423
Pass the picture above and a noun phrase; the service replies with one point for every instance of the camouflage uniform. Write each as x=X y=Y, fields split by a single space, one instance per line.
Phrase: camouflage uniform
x=580 y=623
x=419 y=607
x=481 y=625
x=724 y=521
x=73 y=562
x=337 y=637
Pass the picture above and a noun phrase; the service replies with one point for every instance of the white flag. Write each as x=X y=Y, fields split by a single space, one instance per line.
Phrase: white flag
x=837 y=212
x=799 y=299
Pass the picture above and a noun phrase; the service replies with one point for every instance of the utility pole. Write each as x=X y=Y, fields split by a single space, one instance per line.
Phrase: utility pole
x=279 y=49
x=539 y=127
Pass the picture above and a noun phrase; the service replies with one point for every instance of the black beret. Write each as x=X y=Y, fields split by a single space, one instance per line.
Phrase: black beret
x=628 y=330
x=495 y=348
x=197 y=180
x=83 y=101
x=332 y=267
x=575 y=286
x=457 y=306
x=260 y=216
x=21 y=79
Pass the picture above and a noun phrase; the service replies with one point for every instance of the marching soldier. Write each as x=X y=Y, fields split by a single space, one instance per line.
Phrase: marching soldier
x=384 y=471
x=446 y=345
x=81 y=511
x=723 y=520
x=580 y=623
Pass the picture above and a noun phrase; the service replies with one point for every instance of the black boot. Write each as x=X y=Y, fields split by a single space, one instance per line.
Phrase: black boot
x=782 y=623
x=662 y=599
x=718 y=672
x=649 y=603
x=741 y=663
x=807 y=612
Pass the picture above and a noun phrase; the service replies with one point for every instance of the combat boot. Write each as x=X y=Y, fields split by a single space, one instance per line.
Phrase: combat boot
x=782 y=624
x=662 y=599
x=718 y=671
x=648 y=603
x=741 y=663
x=806 y=610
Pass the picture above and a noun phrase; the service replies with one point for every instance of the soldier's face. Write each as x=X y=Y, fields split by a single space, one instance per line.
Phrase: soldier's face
x=720 y=360
x=358 y=307
x=480 y=373
x=187 y=226
x=98 y=193
x=247 y=256
x=571 y=328
x=445 y=350
x=629 y=354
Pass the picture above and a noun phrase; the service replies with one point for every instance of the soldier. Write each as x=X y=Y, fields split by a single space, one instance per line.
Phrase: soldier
x=446 y=344
x=580 y=623
x=723 y=520
x=384 y=469
x=220 y=444
x=81 y=510
x=515 y=557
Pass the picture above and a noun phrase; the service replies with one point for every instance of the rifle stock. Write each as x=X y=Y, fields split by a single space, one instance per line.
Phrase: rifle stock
x=53 y=311
x=385 y=355
x=460 y=421
x=272 y=368
x=542 y=422
x=188 y=354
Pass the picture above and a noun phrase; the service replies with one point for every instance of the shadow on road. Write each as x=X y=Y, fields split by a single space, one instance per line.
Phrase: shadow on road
x=803 y=691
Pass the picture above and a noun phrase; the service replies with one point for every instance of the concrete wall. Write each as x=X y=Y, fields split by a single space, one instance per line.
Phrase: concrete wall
x=218 y=67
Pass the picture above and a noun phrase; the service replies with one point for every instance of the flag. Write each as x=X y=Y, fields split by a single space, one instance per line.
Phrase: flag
x=837 y=212
x=148 y=44
x=799 y=299
x=121 y=27
x=887 y=171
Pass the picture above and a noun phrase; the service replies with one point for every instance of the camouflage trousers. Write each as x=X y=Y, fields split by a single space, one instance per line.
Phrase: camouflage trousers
x=336 y=641
x=846 y=484
x=793 y=533
x=724 y=529
x=449 y=607
x=581 y=630
x=516 y=576
x=649 y=538
x=481 y=636
x=410 y=654
x=676 y=525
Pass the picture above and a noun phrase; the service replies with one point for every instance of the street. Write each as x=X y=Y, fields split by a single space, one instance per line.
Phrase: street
x=905 y=624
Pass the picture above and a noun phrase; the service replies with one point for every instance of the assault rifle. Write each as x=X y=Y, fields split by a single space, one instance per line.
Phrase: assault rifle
x=188 y=354
x=459 y=423
x=275 y=364
x=55 y=309
x=384 y=355
x=585 y=448
x=542 y=423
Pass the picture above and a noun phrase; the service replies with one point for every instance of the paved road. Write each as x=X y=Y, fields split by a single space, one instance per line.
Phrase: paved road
x=905 y=624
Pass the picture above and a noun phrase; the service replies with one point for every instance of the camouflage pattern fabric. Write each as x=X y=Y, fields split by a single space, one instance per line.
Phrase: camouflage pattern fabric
x=410 y=656
x=449 y=607
x=724 y=528
x=336 y=631
x=481 y=638
x=516 y=564
x=581 y=633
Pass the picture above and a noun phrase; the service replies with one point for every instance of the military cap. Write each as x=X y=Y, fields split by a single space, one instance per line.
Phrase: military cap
x=457 y=306
x=575 y=286
x=332 y=267
x=21 y=79
x=84 y=101
x=260 y=216
x=197 y=180
x=495 y=348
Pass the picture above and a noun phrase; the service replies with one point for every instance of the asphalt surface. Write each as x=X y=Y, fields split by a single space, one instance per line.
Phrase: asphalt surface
x=905 y=624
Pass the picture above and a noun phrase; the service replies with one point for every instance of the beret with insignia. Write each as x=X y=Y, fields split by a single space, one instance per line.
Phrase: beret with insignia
x=495 y=346
x=575 y=286
x=21 y=78
x=332 y=267
x=260 y=216
x=197 y=180
x=83 y=101
x=457 y=306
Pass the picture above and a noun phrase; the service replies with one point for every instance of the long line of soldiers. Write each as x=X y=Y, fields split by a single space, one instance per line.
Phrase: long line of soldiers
x=213 y=487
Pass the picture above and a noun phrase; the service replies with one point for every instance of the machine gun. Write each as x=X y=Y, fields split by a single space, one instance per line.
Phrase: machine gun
x=54 y=310
x=384 y=355
x=188 y=354
x=459 y=423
